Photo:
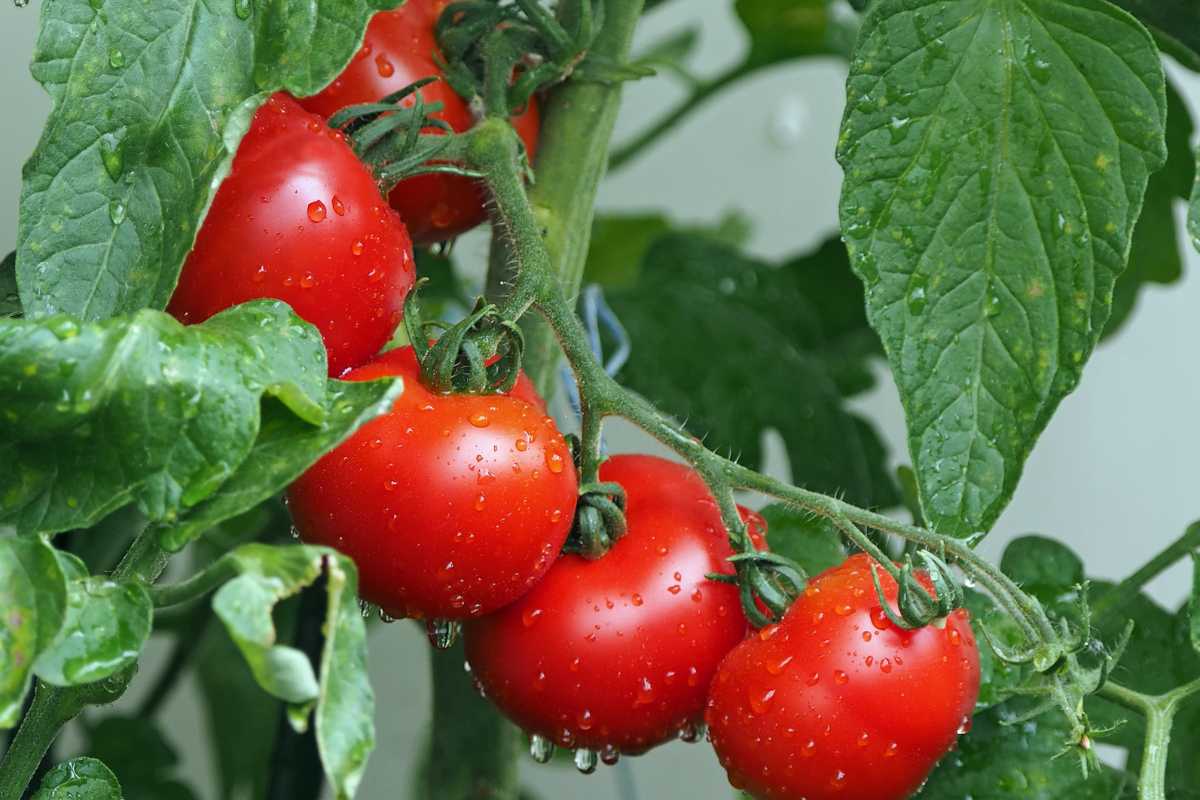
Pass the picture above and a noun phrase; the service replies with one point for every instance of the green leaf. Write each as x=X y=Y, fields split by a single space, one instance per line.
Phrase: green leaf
x=33 y=600
x=735 y=347
x=810 y=541
x=79 y=779
x=1155 y=255
x=1017 y=762
x=136 y=748
x=784 y=29
x=1175 y=23
x=1193 y=607
x=105 y=627
x=241 y=718
x=343 y=699
x=142 y=409
x=111 y=201
x=286 y=446
x=10 y=300
x=996 y=155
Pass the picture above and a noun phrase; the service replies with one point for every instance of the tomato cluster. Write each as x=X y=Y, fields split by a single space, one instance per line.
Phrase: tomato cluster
x=457 y=507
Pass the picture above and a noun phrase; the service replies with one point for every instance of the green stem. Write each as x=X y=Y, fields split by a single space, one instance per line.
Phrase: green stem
x=1126 y=590
x=577 y=126
x=54 y=706
x=1159 y=712
x=206 y=580
x=701 y=92
x=51 y=709
x=472 y=748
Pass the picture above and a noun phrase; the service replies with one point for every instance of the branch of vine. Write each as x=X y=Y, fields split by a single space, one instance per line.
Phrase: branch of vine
x=494 y=151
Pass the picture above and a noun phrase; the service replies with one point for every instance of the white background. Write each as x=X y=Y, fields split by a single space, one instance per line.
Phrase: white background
x=1114 y=475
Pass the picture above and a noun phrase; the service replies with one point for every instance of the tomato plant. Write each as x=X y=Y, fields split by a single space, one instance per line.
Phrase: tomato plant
x=299 y=218
x=400 y=48
x=837 y=700
x=215 y=332
x=615 y=655
x=452 y=506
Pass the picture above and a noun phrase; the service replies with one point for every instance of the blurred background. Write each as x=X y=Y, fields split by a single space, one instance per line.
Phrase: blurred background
x=1114 y=475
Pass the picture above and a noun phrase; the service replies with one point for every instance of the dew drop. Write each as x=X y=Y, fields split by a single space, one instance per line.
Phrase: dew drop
x=316 y=211
x=357 y=248
x=842 y=609
x=529 y=616
x=384 y=66
x=554 y=462
x=584 y=720
x=116 y=212
x=586 y=760
x=116 y=59
x=479 y=420
x=339 y=207
x=541 y=749
x=840 y=677
x=760 y=701
x=777 y=666
x=610 y=755
x=242 y=8
x=111 y=156
x=636 y=599
x=443 y=633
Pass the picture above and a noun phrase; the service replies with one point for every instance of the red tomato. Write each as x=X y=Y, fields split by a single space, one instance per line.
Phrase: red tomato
x=300 y=219
x=837 y=702
x=617 y=654
x=401 y=48
x=451 y=505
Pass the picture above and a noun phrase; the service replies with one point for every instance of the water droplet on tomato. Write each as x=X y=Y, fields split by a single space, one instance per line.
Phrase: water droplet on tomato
x=390 y=485
x=479 y=502
x=522 y=445
x=954 y=637
x=541 y=749
x=479 y=420
x=842 y=609
x=636 y=599
x=879 y=618
x=316 y=211
x=554 y=462
x=964 y=726
x=442 y=633
x=339 y=207
x=585 y=760
x=260 y=274
x=808 y=749
x=768 y=632
x=890 y=750
x=584 y=720
x=760 y=700
x=384 y=66
x=776 y=666
x=530 y=616
x=814 y=679
x=308 y=280
x=645 y=694
x=610 y=755
x=840 y=677
x=885 y=665
x=838 y=782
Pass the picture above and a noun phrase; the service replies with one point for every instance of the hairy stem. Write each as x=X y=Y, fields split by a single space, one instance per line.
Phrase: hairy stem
x=700 y=93
x=1159 y=712
x=577 y=126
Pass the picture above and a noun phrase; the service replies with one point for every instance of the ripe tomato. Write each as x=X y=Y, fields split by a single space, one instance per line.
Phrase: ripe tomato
x=401 y=48
x=300 y=219
x=617 y=654
x=451 y=505
x=836 y=701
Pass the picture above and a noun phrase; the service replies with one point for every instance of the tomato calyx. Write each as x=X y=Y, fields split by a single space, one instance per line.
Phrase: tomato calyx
x=599 y=520
x=481 y=354
x=498 y=57
x=391 y=136
x=767 y=581
x=916 y=606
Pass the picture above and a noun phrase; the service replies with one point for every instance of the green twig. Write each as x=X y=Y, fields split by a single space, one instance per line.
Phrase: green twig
x=700 y=93
x=1126 y=590
x=1159 y=711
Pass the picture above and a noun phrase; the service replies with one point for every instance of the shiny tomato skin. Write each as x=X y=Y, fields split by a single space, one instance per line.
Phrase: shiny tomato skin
x=451 y=505
x=618 y=652
x=837 y=702
x=300 y=219
x=400 y=48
